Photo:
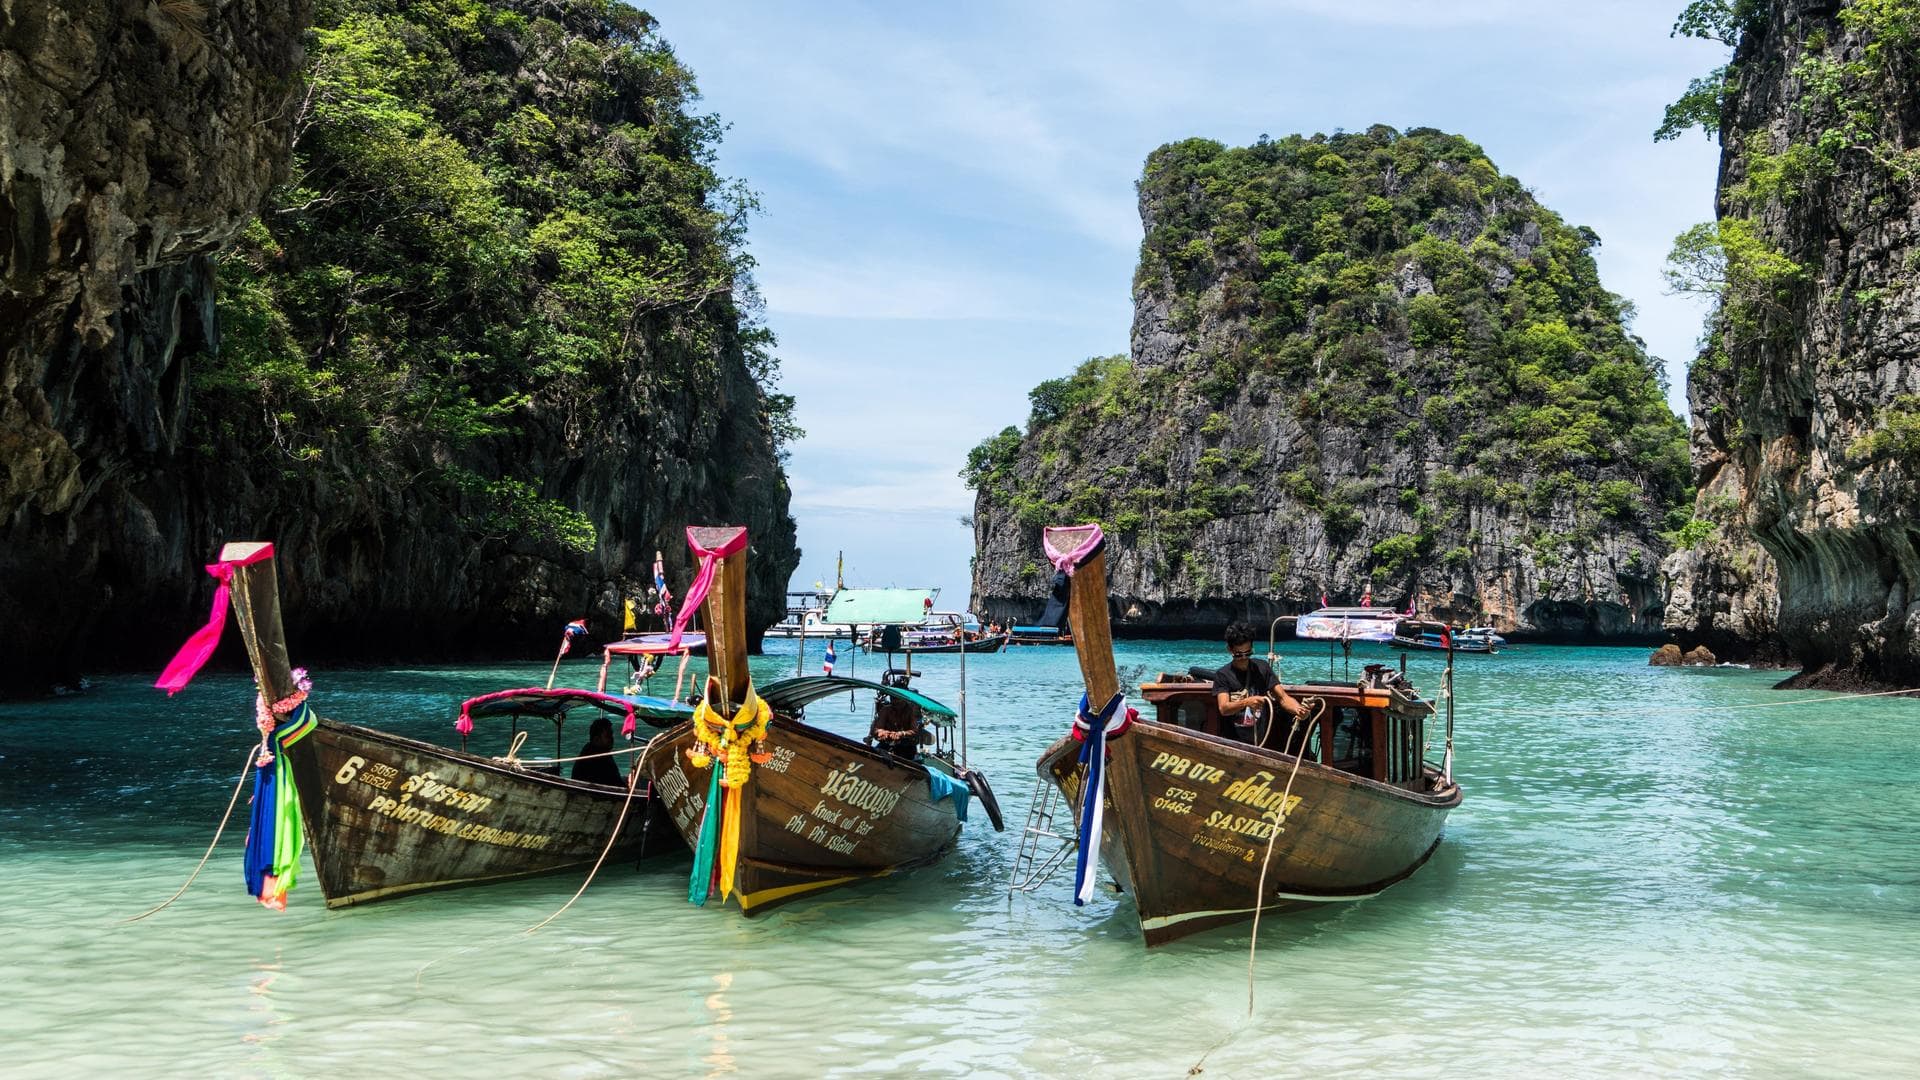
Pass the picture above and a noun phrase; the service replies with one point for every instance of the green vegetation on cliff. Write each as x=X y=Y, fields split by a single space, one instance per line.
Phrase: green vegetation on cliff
x=495 y=208
x=1386 y=286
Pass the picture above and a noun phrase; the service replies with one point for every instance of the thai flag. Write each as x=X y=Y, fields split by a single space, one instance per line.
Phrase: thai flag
x=1323 y=599
x=665 y=606
x=826 y=664
x=574 y=630
x=1446 y=637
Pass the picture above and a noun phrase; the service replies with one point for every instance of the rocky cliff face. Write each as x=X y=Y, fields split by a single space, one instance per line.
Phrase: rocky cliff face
x=1359 y=361
x=1722 y=587
x=136 y=140
x=1813 y=368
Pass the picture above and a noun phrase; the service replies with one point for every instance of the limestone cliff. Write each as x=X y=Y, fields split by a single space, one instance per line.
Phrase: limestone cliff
x=1722 y=588
x=1359 y=360
x=1812 y=371
x=374 y=374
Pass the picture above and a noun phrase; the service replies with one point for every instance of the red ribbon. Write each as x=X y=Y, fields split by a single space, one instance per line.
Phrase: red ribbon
x=199 y=648
x=702 y=581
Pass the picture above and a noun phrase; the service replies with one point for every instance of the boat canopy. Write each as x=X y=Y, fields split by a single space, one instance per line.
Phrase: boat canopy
x=656 y=644
x=873 y=607
x=788 y=695
x=555 y=704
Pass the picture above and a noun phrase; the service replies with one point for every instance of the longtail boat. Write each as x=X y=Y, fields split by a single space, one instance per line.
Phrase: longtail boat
x=385 y=814
x=985 y=643
x=1204 y=829
x=776 y=808
x=1439 y=637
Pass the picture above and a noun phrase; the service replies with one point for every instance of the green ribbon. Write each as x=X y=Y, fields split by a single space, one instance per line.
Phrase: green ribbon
x=703 y=848
x=286 y=821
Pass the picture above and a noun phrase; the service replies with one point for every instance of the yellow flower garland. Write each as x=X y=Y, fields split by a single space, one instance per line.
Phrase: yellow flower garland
x=732 y=742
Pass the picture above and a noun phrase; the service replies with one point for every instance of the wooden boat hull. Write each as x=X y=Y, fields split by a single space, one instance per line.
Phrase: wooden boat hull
x=1189 y=817
x=826 y=811
x=387 y=815
x=1434 y=646
x=991 y=644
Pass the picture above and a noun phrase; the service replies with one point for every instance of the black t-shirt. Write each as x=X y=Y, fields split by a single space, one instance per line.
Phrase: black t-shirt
x=1259 y=679
x=597 y=770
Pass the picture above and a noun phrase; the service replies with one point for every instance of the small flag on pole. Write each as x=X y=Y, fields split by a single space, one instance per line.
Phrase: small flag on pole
x=574 y=629
x=1446 y=637
x=1324 y=602
x=665 y=606
x=826 y=664
x=630 y=621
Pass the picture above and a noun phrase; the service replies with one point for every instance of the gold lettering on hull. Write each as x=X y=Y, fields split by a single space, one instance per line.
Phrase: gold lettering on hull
x=433 y=796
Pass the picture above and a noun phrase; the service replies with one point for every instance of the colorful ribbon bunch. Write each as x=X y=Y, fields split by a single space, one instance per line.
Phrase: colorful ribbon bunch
x=1091 y=729
x=273 y=836
x=730 y=748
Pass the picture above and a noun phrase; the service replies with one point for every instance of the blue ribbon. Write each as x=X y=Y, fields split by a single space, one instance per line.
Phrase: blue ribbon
x=258 y=861
x=1093 y=756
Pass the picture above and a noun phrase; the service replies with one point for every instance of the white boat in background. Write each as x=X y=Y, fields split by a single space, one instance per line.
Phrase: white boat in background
x=807 y=618
x=1347 y=624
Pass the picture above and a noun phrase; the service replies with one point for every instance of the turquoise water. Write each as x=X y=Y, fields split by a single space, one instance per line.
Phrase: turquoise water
x=1646 y=878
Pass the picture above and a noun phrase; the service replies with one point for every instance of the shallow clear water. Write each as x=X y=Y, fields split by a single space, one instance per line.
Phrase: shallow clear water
x=1647 y=877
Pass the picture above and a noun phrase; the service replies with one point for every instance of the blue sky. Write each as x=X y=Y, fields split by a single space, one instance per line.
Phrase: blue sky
x=949 y=213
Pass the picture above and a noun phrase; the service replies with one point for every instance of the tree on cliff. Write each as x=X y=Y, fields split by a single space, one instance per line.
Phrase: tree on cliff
x=492 y=214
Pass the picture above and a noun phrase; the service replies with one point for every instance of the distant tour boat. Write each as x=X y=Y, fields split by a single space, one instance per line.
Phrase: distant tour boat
x=1347 y=624
x=807 y=618
x=1416 y=634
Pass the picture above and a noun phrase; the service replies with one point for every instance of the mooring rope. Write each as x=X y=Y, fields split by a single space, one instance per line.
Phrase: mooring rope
x=1318 y=707
x=616 y=752
x=512 y=757
x=245 y=769
x=633 y=784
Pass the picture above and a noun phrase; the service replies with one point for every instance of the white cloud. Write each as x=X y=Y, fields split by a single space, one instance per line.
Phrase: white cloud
x=950 y=205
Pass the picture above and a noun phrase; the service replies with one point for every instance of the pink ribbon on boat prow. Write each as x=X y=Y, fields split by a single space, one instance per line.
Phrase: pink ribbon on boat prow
x=702 y=581
x=199 y=648
x=1070 y=560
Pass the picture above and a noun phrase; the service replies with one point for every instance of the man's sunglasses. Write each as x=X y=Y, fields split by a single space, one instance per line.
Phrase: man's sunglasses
x=1240 y=654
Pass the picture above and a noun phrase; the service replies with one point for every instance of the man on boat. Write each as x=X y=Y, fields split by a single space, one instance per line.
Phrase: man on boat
x=596 y=766
x=1245 y=687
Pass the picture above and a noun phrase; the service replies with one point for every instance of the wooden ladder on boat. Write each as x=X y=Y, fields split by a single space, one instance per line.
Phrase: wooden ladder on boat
x=1030 y=869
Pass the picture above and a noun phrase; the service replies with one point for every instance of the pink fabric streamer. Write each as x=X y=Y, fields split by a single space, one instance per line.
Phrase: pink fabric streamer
x=702 y=581
x=199 y=648
x=1070 y=560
